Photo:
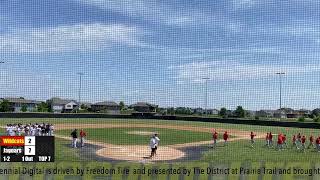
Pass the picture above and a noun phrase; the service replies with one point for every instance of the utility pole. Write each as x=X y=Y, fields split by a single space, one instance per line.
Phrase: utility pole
x=280 y=88
x=206 y=95
x=280 y=91
x=79 y=92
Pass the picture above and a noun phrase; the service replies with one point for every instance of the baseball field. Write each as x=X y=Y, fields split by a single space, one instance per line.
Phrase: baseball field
x=127 y=140
x=117 y=149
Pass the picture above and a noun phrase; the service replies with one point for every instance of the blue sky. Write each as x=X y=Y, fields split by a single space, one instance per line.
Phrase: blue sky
x=159 y=51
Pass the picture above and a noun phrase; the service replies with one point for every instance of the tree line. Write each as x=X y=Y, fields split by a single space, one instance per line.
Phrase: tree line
x=239 y=112
x=5 y=106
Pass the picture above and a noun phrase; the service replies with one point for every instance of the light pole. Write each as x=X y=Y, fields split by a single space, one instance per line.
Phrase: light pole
x=280 y=83
x=79 y=92
x=206 y=95
x=2 y=62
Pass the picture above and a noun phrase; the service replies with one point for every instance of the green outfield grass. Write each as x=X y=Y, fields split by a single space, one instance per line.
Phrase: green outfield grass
x=235 y=151
x=120 y=136
x=242 y=151
x=235 y=154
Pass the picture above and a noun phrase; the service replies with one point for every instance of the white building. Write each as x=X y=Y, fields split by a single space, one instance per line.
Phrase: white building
x=63 y=105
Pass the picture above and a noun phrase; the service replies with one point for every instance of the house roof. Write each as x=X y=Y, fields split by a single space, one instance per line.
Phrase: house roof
x=86 y=104
x=267 y=111
x=59 y=101
x=21 y=101
x=304 y=110
x=143 y=104
x=106 y=103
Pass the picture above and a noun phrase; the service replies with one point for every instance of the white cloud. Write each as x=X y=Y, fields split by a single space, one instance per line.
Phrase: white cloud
x=309 y=31
x=69 y=38
x=131 y=7
x=241 y=4
x=180 y=20
x=223 y=70
x=154 y=11
x=151 y=10
x=307 y=1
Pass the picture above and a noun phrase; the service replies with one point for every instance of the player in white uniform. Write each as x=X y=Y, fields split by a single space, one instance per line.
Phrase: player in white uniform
x=11 y=131
x=152 y=146
x=18 y=130
x=13 y=127
x=27 y=130
x=157 y=140
x=38 y=131
x=7 y=129
x=51 y=129
x=33 y=131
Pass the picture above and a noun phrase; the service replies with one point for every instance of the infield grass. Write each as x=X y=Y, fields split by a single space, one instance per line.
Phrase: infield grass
x=122 y=136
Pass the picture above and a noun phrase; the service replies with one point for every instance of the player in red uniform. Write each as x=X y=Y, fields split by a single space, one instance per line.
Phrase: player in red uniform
x=294 y=140
x=215 y=137
x=270 y=139
x=252 y=135
x=311 y=140
x=298 y=141
x=267 y=139
x=225 y=138
x=83 y=134
x=279 y=142
x=284 y=139
x=318 y=144
x=303 y=141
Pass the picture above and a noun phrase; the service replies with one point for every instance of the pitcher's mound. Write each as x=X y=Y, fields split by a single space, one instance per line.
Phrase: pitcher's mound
x=139 y=153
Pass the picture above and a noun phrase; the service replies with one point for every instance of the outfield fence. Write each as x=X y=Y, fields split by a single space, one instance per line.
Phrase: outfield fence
x=260 y=122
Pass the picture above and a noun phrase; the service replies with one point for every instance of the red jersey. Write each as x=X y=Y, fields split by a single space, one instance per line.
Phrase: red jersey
x=294 y=138
x=280 y=141
x=318 y=141
x=83 y=134
x=299 y=136
x=270 y=136
x=284 y=138
x=267 y=137
x=215 y=135
x=311 y=139
x=252 y=135
x=225 y=136
x=303 y=140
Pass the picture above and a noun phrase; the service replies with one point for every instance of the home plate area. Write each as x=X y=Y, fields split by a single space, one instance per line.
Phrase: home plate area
x=140 y=153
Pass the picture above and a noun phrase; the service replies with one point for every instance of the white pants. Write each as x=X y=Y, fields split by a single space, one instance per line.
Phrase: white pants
x=51 y=133
x=74 y=142
x=82 y=141
x=252 y=141
x=214 y=142
x=12 y=134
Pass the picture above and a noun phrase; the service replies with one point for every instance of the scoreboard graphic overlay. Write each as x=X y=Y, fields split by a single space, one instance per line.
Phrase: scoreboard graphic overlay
x=27 y=148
